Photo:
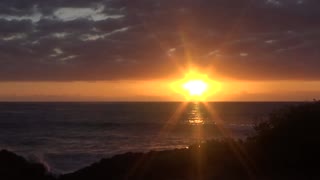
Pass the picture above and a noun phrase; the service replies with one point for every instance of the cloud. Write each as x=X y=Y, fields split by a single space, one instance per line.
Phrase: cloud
x=124 y=39
x=56 y=52
x=70 y=14
x=13 y=37
x=94 y=37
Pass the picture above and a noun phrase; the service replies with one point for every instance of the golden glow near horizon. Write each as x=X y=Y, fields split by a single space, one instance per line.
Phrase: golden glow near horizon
x=160 y=90
x=196 y=86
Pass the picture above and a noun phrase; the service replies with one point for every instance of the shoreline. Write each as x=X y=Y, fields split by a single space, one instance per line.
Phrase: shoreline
x=285 y=146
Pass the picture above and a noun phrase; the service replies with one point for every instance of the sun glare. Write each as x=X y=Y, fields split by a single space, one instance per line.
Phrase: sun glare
x=196 y=86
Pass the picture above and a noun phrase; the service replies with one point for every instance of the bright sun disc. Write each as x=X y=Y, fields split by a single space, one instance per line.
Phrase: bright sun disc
x=195 y=87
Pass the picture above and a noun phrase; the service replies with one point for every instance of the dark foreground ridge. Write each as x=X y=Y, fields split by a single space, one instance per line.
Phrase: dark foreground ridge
x=286 y=146
x=16 y=167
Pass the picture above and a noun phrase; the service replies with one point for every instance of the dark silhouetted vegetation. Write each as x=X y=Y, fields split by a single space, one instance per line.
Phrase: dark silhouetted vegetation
x=285 y=146
x=288 y=143
x=14 y=167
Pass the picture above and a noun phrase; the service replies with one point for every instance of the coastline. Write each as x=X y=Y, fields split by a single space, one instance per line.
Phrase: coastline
x=286 y=146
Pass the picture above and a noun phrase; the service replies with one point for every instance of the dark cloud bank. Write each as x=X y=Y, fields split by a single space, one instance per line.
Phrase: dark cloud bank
x=138 y=39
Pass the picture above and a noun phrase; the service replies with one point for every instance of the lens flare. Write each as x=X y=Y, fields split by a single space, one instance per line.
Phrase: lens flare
x=195 y=87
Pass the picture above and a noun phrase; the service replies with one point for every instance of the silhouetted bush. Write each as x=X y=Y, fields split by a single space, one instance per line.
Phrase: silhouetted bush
x=13 y=167
x=288 y=143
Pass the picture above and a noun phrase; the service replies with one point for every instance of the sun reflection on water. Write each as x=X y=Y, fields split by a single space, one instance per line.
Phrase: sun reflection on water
x=195 y=116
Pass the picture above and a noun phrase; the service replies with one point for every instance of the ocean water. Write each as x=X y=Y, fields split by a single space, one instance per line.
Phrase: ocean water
x=69 y=136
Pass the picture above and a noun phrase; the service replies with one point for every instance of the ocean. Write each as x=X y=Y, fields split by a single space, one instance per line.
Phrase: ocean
x=70 y=136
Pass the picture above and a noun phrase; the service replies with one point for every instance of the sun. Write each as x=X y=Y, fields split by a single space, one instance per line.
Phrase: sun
x=195 y=87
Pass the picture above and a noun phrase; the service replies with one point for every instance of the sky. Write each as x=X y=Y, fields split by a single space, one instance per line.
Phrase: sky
x=133 y=50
